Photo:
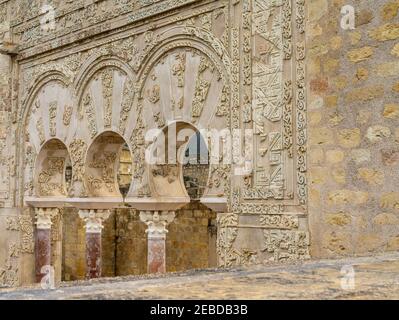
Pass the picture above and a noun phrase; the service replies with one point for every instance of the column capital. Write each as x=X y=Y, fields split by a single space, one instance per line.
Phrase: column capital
x=94 y=219
x=44 y=216
x=157 y=221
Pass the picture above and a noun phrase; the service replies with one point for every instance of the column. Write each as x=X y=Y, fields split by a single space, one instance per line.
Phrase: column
x=43 y=240
x=157 y=223
x=94 y=220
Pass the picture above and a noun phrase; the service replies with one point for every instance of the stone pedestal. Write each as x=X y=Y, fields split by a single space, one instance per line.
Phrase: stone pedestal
x=43 y=241
x=157 y=223
x=94 y=220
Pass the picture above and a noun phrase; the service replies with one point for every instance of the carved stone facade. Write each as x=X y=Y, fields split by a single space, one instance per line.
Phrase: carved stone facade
x=206 y=64
x=80 y=82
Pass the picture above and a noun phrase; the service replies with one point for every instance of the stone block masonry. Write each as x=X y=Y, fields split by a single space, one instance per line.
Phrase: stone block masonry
x=353 y=120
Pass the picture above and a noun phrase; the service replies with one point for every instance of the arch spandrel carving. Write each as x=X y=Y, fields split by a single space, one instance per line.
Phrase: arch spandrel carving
x=184 y=85
x=106 y=99
x=184 y=80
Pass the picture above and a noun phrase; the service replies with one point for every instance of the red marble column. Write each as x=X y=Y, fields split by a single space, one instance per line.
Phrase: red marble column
x=94 y=224
x=42 y=252
x=43 y=240
x=156 y=242
x=93 y=255
x=156 y=255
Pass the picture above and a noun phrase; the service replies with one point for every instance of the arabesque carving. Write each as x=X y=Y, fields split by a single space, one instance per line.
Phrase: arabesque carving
x=54 y=166
x=214 y=65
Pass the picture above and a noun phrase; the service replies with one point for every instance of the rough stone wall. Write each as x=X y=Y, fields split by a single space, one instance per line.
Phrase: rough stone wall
x=189 y=244
x=131 y=242
x=74 y=263
x=109 y=247
x=353 y=137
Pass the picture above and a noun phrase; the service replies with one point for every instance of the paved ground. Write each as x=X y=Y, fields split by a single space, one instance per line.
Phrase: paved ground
x=375 y=278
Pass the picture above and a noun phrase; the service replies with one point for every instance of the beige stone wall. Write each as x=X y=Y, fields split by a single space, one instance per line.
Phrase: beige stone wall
x=131 y=244
x=353 y=137
x=189 y=244
x=74 y=263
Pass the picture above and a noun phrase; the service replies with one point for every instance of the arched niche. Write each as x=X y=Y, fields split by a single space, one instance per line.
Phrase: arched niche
x=45 y=115
x=186 y=81
x=165 y=162
x=53 y=170
x=103 y=165
x=196 y=166
x=166 y=159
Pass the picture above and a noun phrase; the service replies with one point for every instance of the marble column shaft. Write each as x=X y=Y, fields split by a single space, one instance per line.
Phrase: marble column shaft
x=94 y=224
x=43 y=240
x=157 y=223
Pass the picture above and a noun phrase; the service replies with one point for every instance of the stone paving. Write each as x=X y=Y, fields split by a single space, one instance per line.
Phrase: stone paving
x=375 y=278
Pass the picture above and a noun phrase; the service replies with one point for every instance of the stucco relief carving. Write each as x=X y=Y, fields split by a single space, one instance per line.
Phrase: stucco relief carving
x=53 y=167
x=227 y=234
x=77 y=15
x=280 y=153
x=78 y=149
x=90 y=111
x=128 y=94
x=154 y=94
x=179 y=68
x=286 y=246
x=27 y=233
x=50 y=169
x=9 y=274
x=67 y=115
x=190 y=71
x=108 y=86
x=53 y=118
x=24 y=225
x=105 y=163
x=40 y=130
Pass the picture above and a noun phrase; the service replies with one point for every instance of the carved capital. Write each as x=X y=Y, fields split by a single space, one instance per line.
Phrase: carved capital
x=94 y=219
x=44 y=216
x=9 y=48
x=157 y=222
